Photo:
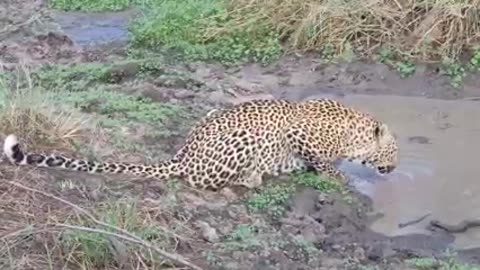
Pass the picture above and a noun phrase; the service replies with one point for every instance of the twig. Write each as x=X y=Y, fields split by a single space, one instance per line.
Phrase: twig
x=472 y=98
x=458 y=228
x=412 y=222
x=14 y=27
x=173 y=257
x=126 y=234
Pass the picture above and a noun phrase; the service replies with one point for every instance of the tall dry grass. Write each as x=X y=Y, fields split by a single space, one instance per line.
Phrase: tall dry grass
x=32 y=114
x=425 y=29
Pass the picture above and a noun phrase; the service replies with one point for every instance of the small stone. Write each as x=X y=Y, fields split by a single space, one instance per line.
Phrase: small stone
x=208 y=232
x=359 y=254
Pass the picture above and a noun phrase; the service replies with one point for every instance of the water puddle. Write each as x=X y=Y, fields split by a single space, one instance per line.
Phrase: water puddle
x=438 y=170
x=88 y=29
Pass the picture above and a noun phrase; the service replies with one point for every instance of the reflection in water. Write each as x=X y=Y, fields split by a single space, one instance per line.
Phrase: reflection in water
x=437 y=178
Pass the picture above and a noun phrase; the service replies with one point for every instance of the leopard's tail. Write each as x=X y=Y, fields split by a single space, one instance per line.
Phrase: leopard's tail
x=12 y=150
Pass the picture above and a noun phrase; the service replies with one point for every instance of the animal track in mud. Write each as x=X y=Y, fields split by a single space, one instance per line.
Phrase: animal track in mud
x=419 y=139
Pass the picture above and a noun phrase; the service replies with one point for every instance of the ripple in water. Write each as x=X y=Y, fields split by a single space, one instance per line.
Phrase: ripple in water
x=411 y=169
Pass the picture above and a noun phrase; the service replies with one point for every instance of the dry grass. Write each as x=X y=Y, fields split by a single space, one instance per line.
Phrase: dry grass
x=30 y=113
x=425 y=29
x=40 y=230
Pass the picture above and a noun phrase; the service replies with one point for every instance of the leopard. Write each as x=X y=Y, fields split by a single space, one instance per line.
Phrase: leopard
x=240 y=144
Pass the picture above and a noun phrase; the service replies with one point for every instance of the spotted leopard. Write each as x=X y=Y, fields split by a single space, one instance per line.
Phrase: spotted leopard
x=241 y=144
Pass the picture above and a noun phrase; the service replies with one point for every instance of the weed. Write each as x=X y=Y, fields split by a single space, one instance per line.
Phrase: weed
x=272 y=199
x=394 y=58
x=307 y=247
x=316 y=181
x=475 y=60
x=449 y=264
x=405 y=69
x=386 y=55
x=244 y=237
x=455 y=71
x=203 y=30
x=69 y=78
x=328 y=52
x=80 y=77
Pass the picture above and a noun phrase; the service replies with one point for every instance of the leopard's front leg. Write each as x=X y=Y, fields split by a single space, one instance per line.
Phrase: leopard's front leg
x=328 y=169
x=318 y=150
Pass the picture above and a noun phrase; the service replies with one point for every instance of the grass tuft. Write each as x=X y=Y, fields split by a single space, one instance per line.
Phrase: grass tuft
x=30 y=112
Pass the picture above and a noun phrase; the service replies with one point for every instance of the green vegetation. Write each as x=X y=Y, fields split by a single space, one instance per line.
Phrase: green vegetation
x=233 y=32
x=204 y=30
x=243 y=237
x=455 y=71
x=55 y=104
x=475 y=61
x=317 y=182
x=273 y=197
x=95 y=249
x=94 y=5
x=449 y=264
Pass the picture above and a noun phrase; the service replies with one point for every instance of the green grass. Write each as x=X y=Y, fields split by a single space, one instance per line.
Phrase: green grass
x=448 y=264
x=274 y=197
x=317 y=182
x=59 y=103
x=94 y=5
x=475 y=60
x=92 y=249
x=455 y=71
x=243 y=237
x=83 y=76
x=204 y=30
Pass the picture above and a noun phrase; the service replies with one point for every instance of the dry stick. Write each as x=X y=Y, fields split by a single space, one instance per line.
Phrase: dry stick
x=174 y=257
x=127 y=235
x=11 y=28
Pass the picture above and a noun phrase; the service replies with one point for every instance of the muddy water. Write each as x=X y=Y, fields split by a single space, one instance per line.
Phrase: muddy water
x=95 y=28
x=438 y=170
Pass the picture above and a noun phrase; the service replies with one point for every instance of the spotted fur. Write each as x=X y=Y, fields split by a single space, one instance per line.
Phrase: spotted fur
x=238 y=145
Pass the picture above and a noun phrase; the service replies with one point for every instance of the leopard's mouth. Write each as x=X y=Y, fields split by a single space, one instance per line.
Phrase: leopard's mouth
x=385 y=169
x=380 y=169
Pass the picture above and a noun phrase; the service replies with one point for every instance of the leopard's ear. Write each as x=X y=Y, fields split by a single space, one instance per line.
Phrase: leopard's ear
x=380 y=131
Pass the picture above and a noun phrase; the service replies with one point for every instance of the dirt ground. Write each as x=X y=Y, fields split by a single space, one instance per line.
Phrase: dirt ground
x=317 y=231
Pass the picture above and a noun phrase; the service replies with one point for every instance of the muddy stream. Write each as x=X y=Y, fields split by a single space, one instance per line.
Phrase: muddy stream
x=437 y=174
x=438 y=144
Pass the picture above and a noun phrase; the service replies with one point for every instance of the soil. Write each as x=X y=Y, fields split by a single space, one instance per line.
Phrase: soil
x=338 y=230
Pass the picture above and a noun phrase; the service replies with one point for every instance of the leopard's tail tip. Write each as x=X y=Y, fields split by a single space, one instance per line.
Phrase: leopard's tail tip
x=9 y=144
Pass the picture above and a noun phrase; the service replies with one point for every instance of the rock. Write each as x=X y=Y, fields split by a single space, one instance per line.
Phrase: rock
x=332 y=263
x=183 y=94
x=208 y=232
x=359 y=254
